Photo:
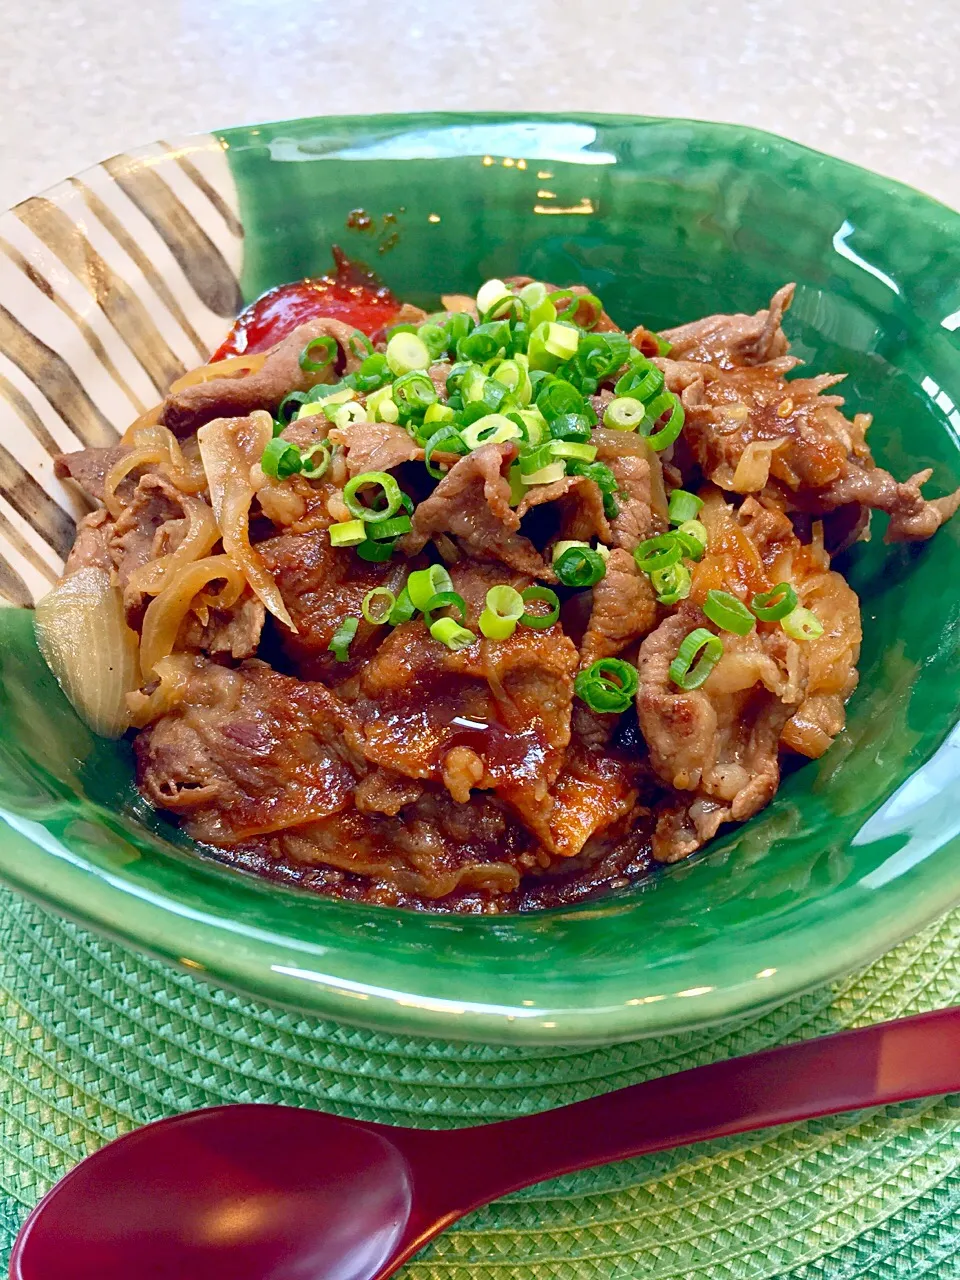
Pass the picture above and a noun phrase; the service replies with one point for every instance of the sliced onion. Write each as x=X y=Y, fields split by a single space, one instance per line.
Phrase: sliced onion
x=753 y=468
x=173 y=676
x=199 y=540
x=232 y=367
x=143 y=457
x=149 y=419
x=167 y=611
x=83 y=635
x=230 y=448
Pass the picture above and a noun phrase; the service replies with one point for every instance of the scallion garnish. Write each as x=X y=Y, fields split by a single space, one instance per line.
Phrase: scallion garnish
x=395 y=527
x=424 y=584
x=342 y=638
x=540 y=595
x=504 y=609
x=699 y=653
x=414 y=392
x=658 y=553
x=624 y=414
x=325 y=348
x=347 y=533
x=493 y=428
x=444 y=600
x=772 y=605
x=671 y=584
x=403 y=610
x=579 y=567
x=608 y=685
x=490 y=293
x=289 y=405
x=450 y=633
x=802 y=624
x=377 y=605
x=448 y=440
x=406 y=352
x=314 y=470
x=390 y=491
x=573 y=449
x=280 y=459
x=692 y=536
x=729 y=613
x=375 y=551
x=683 y=506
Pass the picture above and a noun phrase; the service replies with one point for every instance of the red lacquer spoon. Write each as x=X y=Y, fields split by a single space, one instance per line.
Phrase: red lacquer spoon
x=277 y=1193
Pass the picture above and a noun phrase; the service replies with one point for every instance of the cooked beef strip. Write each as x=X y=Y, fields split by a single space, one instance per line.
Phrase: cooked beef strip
x=718 y=742
x=321 y=585
x=248 y=752
x=234 y=396
x=89 y=468
x=90 y=549
x=731 y=340
x=472 y=503
x=624 y=609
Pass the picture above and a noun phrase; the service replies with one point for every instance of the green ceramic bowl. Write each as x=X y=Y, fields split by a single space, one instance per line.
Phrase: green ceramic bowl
x=113 y=282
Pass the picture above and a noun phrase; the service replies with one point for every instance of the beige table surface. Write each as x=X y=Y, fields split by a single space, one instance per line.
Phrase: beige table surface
x=875 y=82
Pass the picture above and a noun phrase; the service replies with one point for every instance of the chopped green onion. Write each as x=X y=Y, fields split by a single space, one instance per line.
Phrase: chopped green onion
x=376 y=551
x=608 y=685
x=504 y=609
x=359 y=344
x=560 y=547
x=434 y=338
x=489 y=294
x=571 y=426
x=536 y=459
x=449 y=440
x=280 y=459
x=406 y=352
x=729 y=613
x=773 y=605
x=624 y=414
x=665 y=437
x=403 y=610
x=658 y=553
x=486 y=341
x=546 y=475
x=313 y=471
x=382 y=400
x=347 y=533
x=573 y=449
x=345 y=415
x=516 y=378
x=389 y=487
x=377 y=605
x=534 y=296
x=517 y=488
x=534 y=422
x=395 y=527
x=802 y=624
x=558 y=397
x=550 y=343
x=414 y=391
x=701 y=642
x=542 y=595
x=493 y=428
x=326 y=347
x=444 y=600
x=643 y=380
x=603 y=478
x=692 y=536
x=342 y=638
x=683 y=506
x=450 y=633
x=424 y=584
x=579 y=567
x=438 y=412
x=671 y=584
x=285 y=408
x=373 y=373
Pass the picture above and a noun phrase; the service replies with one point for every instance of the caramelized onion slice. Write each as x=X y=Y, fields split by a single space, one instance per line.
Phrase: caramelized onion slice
x=232 y=367
x=167 y=611
x=230 y=447
x=83 y=635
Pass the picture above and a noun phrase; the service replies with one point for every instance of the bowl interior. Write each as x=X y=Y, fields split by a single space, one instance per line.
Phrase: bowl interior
x=667 y=221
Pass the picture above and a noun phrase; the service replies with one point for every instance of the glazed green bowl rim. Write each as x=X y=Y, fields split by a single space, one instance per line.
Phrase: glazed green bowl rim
x=323 y=976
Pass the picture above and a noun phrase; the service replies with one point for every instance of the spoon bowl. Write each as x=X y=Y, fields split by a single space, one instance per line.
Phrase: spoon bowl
x=250 y=1192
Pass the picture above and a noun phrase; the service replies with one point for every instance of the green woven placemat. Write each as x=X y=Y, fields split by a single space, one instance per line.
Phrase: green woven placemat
x=95 y=1039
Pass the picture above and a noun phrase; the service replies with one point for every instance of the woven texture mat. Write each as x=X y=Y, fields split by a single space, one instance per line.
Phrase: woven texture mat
x=95 y=1039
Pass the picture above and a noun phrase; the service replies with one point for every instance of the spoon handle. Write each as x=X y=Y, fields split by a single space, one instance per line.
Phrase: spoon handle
x=868 y=1067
